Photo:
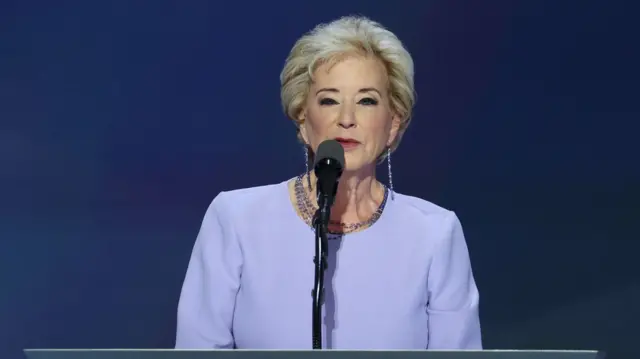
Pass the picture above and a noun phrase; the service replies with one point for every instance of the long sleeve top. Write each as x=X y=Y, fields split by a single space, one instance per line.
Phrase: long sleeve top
x=403 y=283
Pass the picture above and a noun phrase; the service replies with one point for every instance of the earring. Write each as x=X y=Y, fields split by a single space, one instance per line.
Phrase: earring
x=306 y=165
x=390 y=173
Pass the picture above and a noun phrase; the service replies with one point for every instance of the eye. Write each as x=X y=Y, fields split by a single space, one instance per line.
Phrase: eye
x=327 y=102
x=368 y=101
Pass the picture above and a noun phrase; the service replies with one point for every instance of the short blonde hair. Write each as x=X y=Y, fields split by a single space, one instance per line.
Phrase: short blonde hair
x=331 y=41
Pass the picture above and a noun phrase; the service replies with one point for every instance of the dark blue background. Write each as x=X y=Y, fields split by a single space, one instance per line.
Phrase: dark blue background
x=121 y=120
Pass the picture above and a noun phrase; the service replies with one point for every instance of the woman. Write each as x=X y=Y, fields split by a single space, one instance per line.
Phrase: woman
x=399 y=275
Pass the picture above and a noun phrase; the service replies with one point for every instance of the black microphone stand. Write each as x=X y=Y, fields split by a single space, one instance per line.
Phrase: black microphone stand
x=321 y=224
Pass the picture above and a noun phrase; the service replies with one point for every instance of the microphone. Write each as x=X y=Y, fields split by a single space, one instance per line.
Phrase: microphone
x=328 y=166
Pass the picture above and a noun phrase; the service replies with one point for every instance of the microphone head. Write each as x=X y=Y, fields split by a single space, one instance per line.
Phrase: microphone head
x=330 y=153
x=329 y=162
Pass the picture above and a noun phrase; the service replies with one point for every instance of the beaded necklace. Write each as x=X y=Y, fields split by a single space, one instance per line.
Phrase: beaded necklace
x=307 y=210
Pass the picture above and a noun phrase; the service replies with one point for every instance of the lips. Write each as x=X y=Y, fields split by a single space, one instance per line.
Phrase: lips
x=348 y=144
x=347 y=141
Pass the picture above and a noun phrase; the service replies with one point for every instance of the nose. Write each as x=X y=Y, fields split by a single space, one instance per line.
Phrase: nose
x=347 y=119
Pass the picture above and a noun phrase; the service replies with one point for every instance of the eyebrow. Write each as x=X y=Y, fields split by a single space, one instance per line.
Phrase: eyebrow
x=362 y=90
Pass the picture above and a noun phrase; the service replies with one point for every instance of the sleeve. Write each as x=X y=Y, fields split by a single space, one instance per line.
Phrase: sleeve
x=453 y=297
x=207 y=299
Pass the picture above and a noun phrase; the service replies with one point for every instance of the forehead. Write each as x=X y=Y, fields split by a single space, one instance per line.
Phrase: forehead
x=354 y=71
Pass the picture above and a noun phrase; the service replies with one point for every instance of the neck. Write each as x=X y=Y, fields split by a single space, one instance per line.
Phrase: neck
x=358 y=197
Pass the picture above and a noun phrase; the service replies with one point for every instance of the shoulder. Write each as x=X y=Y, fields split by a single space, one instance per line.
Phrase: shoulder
x=248 y=202
x=421 y=210
x=242 y=196
x=439 y=227
x=428 y=222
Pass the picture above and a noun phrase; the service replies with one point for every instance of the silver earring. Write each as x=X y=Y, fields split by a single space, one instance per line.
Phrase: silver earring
x=390 y=173
x=306 y=165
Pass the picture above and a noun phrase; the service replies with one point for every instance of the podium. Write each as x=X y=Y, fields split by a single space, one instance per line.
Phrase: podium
x=307 y=354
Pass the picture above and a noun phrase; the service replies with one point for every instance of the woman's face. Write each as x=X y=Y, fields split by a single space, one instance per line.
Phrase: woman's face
x=348 y=101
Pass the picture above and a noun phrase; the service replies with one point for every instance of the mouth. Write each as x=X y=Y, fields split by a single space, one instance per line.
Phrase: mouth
x=347 y=140
x=347 y=143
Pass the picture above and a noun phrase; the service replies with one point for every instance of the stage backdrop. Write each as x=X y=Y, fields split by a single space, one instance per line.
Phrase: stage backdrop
x=121 y=120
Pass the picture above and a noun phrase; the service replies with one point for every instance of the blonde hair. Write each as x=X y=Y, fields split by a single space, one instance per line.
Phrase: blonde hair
x=328 y=43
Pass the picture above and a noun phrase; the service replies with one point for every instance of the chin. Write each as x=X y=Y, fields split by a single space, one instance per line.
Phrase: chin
x=355 y=165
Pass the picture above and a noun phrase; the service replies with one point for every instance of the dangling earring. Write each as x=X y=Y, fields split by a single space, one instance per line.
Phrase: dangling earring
x=306 y=165
x=390 y=173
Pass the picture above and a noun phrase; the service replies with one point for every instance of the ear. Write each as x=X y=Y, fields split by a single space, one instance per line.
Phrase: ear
x=393 y=131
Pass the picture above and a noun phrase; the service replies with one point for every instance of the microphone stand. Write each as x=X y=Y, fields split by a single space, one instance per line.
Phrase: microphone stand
x=320 y=223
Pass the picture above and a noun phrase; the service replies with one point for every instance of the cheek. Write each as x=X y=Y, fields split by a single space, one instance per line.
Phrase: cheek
x=317 y=126
x=378 y=130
